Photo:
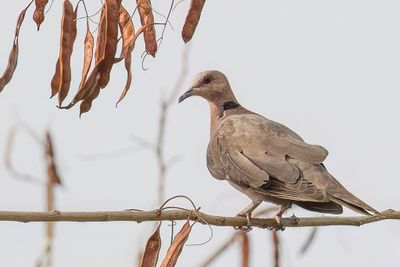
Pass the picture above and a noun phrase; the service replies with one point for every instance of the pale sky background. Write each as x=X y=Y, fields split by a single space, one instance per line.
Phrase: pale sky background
x=329 y=70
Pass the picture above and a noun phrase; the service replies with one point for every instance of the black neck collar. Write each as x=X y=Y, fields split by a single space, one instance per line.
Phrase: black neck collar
x=230 y=105
x=226 y=106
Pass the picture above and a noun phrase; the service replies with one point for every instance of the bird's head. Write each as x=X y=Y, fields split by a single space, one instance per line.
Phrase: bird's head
x=211 y=85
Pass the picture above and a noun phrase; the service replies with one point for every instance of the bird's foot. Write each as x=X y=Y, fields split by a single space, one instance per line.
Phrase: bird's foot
x=279 y=226
x=246 y=228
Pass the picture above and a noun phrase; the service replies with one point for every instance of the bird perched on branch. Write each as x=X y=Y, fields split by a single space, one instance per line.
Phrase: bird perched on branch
x=264 y=159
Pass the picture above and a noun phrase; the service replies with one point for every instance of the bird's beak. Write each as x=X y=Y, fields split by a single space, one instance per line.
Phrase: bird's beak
x=186 y=94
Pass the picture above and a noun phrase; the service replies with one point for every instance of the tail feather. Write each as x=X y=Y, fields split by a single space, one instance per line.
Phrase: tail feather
x=323 y=207
x=355 y=204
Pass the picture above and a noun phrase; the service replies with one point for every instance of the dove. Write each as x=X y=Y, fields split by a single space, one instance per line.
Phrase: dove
x=264 y=159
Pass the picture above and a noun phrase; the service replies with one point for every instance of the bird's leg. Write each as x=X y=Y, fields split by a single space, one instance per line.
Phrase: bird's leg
x=247 y=213
x=278 y=216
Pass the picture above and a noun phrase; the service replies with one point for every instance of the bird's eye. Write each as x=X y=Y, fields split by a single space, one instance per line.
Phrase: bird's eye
x=208 y=80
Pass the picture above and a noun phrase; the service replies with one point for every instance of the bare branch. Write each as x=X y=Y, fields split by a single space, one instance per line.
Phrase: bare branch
x=309 y=241
x=10 y=148
x=183 y=215
x=164 y=109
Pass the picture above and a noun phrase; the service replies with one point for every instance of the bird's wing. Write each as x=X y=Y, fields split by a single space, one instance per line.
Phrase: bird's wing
x=269 y=176
x=275 y=138
x=214 y=168
x=255 y=153
x=286 y=142
x=242 y=171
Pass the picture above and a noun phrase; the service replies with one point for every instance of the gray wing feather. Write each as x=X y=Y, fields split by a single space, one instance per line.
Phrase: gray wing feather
x=276 y=167
x=238 y=166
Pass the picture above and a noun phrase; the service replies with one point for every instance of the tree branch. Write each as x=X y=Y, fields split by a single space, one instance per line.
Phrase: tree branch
x=177 y=214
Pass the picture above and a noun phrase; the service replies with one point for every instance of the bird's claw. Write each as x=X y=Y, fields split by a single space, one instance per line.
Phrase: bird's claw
x=246 y=228
x=279 y=226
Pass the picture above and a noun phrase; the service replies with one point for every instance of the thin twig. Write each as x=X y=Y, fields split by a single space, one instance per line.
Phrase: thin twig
x=309 y=240
x=9 y=149
x=234 y=237
x=181 y=215
x=53 y=179
x=111 y=153
x=219 y=250
x=164 y=108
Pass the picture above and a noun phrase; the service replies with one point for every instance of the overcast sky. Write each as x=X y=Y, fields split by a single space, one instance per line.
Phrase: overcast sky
x=329 y=70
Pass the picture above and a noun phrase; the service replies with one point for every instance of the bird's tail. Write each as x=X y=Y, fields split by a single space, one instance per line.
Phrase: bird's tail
x=350 y=201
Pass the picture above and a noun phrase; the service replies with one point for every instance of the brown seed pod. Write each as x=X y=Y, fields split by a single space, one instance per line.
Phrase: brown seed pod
x=150 y=255
x=89 y=85
x=55 y=81
x=128 y=61
x=101 y=36
x=87 y=102
x=146 y=17
x=127 y=30
x=38 y=14
x=88 y=55
x=62 y=78
x=13 y=57
x=111 y=40
x=177 y=245
x=106 y=46
x=192 y=19
x=90 y=82
x=245 y=249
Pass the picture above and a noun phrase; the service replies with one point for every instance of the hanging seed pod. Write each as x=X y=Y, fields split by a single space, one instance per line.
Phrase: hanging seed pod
x=62 y=78
x=147 y=18
x=192 y=19
x=38 y=14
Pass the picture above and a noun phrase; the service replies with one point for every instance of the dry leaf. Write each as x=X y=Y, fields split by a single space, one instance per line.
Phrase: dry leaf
x=38 y=14
x=245 y=250
x=62 y=78
x=150 y=256
x=13 y=57
x=192 y=19
x=147 y=18
x=177 y=245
